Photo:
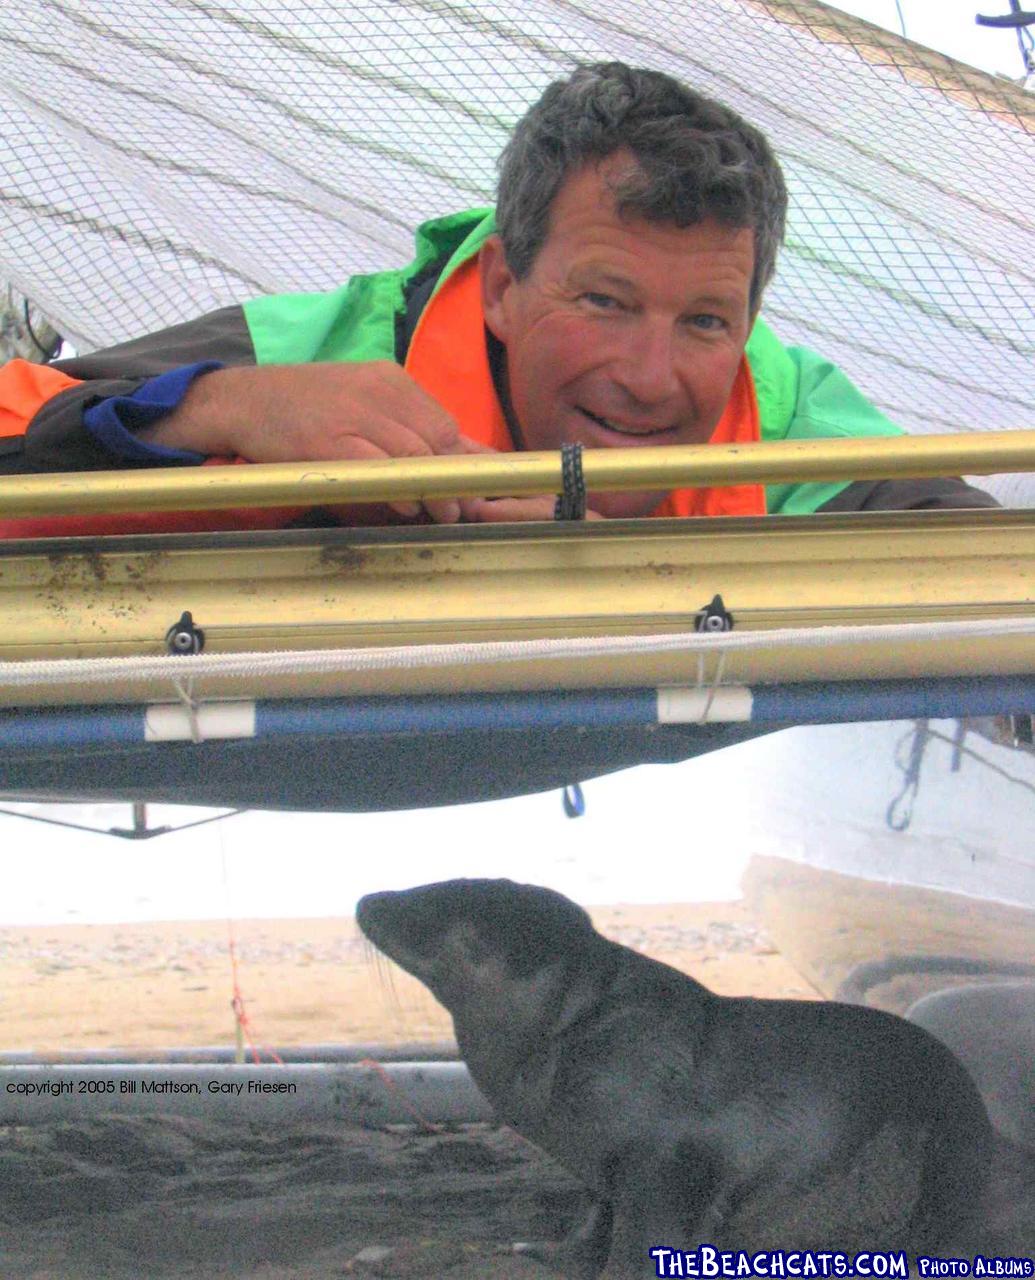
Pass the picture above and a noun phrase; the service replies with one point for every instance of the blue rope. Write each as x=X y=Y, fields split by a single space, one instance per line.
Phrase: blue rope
x=573 y=800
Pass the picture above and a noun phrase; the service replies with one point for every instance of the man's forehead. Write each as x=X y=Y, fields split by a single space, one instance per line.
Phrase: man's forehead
x=703 y=265
x=585 y=207
x=721 y=282
x=593 y=186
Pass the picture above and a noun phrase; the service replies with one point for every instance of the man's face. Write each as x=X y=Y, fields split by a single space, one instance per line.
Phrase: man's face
x=624 y=333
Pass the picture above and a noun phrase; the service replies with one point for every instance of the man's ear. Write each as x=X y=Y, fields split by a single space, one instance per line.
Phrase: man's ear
x=496 y=280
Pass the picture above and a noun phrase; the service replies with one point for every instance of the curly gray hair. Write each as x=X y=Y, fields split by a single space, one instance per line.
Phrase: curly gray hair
x=696 y=159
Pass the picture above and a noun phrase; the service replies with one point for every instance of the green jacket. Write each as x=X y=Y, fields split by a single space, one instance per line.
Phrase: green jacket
x=800 y=395
x=373 y=317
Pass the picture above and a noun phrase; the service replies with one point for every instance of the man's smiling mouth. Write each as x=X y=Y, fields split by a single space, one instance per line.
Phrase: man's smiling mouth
x=638 y=433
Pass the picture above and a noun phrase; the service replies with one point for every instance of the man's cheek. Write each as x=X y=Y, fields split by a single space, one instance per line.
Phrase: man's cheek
x=539 y=411
x=711 y=376
x=571 y=345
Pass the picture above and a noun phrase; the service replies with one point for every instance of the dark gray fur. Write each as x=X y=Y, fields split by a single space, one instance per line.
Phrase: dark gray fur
x=692 y=1118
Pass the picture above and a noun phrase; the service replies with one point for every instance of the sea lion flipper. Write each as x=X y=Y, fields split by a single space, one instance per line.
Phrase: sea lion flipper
x=587 y=1247
x=582 y=1253
x=674 y=1202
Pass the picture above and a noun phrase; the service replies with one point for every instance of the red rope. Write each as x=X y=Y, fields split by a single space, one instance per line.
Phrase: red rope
x=389 y=1084
x=237 y=1003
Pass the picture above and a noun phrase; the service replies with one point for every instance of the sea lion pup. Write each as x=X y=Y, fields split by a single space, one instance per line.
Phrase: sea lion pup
x=692 y=1118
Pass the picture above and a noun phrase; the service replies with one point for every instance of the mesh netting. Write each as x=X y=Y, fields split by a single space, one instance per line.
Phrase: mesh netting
x=160 y=158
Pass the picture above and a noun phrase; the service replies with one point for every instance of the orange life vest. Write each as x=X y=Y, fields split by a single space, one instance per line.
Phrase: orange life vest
x=24 y=388
x=450 y=360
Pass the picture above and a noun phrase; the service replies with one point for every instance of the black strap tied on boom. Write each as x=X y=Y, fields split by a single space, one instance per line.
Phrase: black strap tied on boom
x=571 y=502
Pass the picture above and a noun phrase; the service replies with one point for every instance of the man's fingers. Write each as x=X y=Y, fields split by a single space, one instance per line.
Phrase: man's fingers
x=449 y=510
x=408 y=510
x=466 y=445
x=443 y=510
x=507 y=510
x=364 y=450
x=361 y=410
x=337 y=405
x=402 y=400
x=325 y=411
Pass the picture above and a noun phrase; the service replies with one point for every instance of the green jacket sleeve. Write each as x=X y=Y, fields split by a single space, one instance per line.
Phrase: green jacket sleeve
x=802 y=396
x=827 y=404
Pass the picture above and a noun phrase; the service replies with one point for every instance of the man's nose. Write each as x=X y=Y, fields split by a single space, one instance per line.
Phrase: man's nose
x=646 y=366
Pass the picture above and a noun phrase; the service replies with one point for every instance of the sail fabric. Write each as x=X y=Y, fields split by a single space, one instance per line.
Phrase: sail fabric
x=163 y=158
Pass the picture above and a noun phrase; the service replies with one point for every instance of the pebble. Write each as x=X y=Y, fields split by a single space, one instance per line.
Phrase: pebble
x=373 y=1255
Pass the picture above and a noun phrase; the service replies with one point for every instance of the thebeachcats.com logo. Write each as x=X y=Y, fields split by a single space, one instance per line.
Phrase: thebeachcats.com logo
x=707 y=1263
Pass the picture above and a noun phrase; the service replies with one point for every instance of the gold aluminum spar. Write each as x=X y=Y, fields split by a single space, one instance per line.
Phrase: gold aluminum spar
x=449 y=585
x=314 y=484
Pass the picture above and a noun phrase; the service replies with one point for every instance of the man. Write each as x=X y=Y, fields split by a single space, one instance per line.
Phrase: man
x=612 y=300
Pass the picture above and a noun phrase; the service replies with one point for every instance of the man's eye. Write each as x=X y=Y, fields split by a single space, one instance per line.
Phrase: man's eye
x=603 y=301
x=708 y=323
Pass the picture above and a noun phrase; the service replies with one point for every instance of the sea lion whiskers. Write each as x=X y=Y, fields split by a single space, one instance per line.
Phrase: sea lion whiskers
x=384 y=971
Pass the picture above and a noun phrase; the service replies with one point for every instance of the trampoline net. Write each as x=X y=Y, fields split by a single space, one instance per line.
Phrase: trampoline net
x=161 y=158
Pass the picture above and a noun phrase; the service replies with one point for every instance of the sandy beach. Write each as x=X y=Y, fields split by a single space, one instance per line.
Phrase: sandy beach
x=166 y=985
x=115 y=1196
x=130 y=1196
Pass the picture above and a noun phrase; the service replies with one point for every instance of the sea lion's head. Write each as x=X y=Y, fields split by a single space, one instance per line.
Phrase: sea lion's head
x=465 y=938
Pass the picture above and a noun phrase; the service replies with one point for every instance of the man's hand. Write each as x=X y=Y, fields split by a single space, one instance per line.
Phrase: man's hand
x=315 y=412
x=500 y=510
x=329 y=413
